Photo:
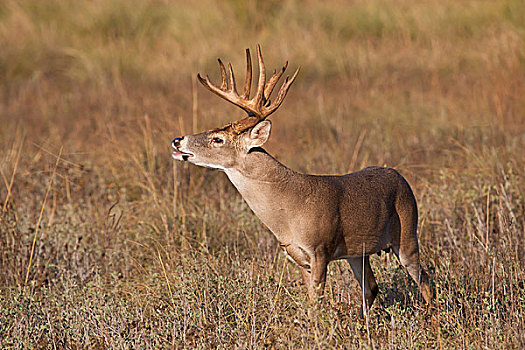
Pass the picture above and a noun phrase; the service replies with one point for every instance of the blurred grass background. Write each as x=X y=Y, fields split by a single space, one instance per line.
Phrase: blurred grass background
x=105 y=242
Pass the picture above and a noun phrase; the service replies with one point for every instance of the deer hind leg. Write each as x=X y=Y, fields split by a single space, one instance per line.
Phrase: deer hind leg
x=367 y=280
x=405 y=245
x=408 y=255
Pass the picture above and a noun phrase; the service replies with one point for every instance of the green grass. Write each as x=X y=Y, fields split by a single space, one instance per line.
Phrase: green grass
x=136 y=251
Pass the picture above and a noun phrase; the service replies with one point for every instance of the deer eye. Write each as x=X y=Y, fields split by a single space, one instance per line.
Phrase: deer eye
x=217 y=140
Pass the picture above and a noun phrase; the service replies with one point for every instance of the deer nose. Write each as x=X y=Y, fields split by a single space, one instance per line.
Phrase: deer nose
x=176 y=142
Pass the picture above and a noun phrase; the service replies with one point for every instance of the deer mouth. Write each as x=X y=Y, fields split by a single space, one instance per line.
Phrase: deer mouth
x=179 y=155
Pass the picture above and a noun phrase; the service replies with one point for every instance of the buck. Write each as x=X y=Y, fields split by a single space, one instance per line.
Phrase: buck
x=315 y=218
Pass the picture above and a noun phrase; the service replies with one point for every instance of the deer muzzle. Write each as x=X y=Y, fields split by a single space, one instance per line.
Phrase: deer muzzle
x=179 y=154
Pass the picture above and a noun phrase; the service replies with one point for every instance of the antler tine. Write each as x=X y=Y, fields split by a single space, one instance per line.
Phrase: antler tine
x=209 y=85
x=262 y=78
x=248 y=81
x=230 y=93
x=224 y=85
x=282 y=94
x=230 y=96
x=233 y=86
x=270 y=85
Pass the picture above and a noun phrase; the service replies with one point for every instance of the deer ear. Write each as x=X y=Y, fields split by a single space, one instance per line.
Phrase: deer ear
x=259 y=134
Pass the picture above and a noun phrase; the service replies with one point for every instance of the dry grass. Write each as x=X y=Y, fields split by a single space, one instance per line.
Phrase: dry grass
x=133 y=251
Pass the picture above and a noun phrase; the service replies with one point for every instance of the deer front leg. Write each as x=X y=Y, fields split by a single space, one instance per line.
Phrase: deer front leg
x=307 y=282
x=314 y=279
x=319 y=266
x=313 y=268
x=318 y=281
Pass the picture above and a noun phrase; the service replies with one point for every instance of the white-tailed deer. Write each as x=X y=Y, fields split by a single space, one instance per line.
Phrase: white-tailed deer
x=315 y=218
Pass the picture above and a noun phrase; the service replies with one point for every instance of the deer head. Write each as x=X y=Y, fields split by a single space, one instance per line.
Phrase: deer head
x=223 y=148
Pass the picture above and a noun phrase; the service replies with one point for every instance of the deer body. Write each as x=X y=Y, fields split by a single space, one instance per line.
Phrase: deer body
x=315 y=218
x=334 y=209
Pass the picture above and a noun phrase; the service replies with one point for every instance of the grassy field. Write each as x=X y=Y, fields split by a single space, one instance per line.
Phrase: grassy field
x=105 y=242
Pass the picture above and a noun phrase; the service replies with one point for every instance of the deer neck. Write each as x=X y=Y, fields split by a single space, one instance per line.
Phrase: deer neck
x=266 y=185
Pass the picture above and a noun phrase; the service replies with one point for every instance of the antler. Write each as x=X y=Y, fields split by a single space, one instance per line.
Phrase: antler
x=260 y=106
